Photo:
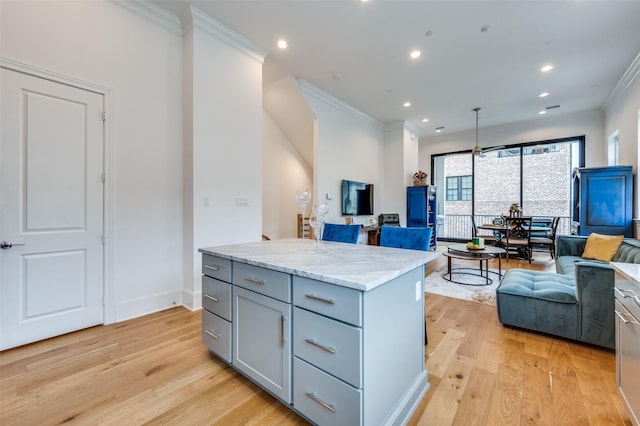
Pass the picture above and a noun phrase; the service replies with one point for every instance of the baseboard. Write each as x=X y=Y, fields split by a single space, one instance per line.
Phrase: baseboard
x=134 y=308
x=192 y=300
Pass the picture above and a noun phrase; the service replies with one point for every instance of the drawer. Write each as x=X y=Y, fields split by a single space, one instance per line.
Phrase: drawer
x=322 y=398
x=216 y=267
x=332 y=346
x=628 y=294
x=216 y=297
x=341 y=303
x=264 y=281
x=216 y=334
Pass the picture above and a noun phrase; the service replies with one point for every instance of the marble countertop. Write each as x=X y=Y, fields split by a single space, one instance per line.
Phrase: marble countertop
x=630 y=271
x=362 y=267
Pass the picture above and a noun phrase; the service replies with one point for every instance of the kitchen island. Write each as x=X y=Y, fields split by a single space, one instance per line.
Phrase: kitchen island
x=334 y=332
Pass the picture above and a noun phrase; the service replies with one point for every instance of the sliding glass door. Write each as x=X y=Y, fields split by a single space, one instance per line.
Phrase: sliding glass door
x=537 y=177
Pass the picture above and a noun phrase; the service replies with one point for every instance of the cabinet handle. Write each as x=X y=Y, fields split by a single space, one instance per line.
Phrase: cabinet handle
x=212 y=334
x=622 y=293
x=320 y=299
x=212 y=267
x=623 y=319
x=283 y=340
x=637 y=300
x=329 y=407
x=318 y=345
x=215 y=299
x=254 y=280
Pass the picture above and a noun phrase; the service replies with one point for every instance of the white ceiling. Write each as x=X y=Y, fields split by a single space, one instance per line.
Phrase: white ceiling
x=590 y=43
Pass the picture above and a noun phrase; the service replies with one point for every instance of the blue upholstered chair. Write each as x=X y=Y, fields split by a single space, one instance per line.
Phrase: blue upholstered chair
x=414 y=238
x=341 y=233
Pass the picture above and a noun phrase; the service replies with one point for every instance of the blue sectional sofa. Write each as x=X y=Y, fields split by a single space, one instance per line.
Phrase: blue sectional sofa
x=576 y=302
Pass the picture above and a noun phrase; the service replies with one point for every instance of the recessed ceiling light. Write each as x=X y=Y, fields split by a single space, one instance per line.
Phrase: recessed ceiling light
x=428 y=33
x=543 y=95
x=425 y=120
x=439 y=129
x=544 y=111
x=336 y=76
x=486 y=28
x=546 y=68
x=415 y=54
x=282 y=44
x=406 y=104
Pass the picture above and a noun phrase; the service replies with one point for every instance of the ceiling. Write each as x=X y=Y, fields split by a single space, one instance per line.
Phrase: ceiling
x=359 y=52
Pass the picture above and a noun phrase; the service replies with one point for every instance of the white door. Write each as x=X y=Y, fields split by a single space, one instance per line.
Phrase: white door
x=51 y=199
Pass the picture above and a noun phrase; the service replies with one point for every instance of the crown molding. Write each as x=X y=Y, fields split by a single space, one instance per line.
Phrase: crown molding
x=194 y=18
x=625 y=81
x=153 y=13
x=309 y=89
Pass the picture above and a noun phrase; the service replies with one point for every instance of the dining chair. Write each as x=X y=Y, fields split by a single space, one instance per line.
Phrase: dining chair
x=518 y=236
x=492 y=239
x=341 y=233
x=549 y=240
x=413 y=238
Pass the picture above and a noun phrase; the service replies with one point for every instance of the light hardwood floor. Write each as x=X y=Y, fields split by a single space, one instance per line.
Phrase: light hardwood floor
x=154 y=370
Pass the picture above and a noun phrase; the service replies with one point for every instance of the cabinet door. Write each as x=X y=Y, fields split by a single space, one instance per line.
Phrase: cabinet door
x=417 y=206
x=262 y=340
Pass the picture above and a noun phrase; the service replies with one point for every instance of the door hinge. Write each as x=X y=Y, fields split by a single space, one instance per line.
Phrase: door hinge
x=104 y=116
x=103 y=177
x=104 y=239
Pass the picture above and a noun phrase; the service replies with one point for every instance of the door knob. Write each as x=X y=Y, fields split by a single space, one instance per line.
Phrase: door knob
x=8 y=244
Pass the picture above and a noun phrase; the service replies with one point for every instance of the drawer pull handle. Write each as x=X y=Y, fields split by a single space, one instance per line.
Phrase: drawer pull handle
x=254 y=280
x=320 y=299
x=318 y=345
x=622 y=293
x=212 y=267
x=215 y=299
x=329 y=407
x=623 y=319
x=212 y=334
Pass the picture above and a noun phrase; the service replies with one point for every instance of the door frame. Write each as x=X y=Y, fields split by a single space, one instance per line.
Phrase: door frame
x=107 y=204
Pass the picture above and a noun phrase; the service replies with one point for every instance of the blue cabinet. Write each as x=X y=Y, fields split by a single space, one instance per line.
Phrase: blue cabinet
x=603 y=200
x=421 y=209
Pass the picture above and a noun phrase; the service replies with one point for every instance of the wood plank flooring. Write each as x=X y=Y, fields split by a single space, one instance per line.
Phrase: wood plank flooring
x=154 y=370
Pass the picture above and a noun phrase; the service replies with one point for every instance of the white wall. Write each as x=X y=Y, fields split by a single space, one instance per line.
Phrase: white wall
x=226 y=143
x=107 y=45
x=622 y=113
x=590 y=124
x=348 y=145
x=284 y=173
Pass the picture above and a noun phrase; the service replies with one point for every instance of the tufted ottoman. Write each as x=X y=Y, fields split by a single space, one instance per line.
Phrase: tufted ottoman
x=540 y=301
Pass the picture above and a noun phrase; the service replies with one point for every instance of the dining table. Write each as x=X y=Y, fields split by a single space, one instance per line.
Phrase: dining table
x=502 y=229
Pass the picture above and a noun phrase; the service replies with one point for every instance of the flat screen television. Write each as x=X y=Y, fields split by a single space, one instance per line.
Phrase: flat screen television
x=357 y=198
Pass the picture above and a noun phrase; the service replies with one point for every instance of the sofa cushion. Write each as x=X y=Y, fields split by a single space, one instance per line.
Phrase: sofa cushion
x=540 y=285
x=629 y=252
x=566 y=265
x=602 y=247
x=540 y=301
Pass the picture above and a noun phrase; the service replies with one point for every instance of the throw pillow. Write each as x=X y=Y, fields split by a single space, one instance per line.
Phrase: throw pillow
x=602 y=247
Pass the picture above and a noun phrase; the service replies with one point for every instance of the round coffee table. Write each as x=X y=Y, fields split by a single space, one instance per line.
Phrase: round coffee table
x=460 y=251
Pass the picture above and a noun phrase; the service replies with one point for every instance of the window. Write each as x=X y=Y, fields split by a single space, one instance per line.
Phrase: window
x=536 y=175
x=459 y=188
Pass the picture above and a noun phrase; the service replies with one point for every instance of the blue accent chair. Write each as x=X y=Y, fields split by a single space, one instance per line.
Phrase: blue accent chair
x=341 y=233
x=414 y=238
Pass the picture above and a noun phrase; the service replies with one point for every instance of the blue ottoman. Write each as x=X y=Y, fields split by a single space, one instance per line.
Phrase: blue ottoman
x=540 y=301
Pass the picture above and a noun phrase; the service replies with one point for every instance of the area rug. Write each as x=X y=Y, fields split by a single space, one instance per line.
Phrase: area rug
x=434 y=283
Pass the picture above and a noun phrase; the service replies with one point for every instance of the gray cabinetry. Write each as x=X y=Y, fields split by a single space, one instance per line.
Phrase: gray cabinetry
x=627 y=310
x=336 y=340
x=262 y=340
x=216 y=303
